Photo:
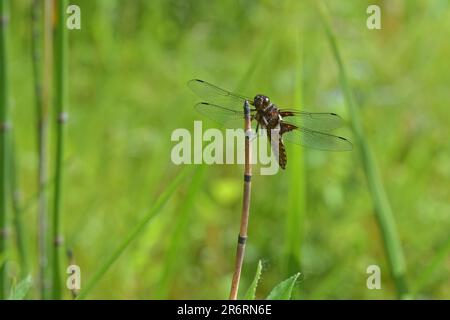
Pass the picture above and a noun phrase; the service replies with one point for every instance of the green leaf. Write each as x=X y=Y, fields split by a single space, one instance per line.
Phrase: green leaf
x=250 y=294
x=20 y=291
x=283 y=290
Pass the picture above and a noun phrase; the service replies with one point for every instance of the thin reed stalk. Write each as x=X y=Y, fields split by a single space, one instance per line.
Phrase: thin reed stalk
x=4 y=128
x=60 y=66
x=382 y=208
x=17 y=211
x=242 y=238
x=41 y=116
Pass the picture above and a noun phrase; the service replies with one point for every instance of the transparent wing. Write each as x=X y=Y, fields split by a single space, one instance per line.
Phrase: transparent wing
x=214 y=94
x=320 y=121
x=317 y=140
x=221 y=115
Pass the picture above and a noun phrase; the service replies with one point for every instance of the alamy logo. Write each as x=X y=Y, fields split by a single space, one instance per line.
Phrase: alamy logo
x=74 y=20
x=374 y=20
x=374 y=280
x=214 y=147
x=73 y=281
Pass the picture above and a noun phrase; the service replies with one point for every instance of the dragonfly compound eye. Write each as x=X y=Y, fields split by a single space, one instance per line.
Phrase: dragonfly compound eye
x=259 y=100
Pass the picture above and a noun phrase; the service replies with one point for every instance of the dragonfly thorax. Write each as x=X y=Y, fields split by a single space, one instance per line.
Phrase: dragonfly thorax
x=268 y=118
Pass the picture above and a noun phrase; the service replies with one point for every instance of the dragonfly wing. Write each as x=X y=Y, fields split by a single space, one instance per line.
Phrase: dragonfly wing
x=317 y=140
x=317 y=121
x=214 y=94
x=229 y=118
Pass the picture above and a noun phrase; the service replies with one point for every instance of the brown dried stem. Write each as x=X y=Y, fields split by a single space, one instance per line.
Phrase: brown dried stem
x=245 y=206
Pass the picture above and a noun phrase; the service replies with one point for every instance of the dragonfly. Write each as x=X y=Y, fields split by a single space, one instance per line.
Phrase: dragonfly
x=309 y=129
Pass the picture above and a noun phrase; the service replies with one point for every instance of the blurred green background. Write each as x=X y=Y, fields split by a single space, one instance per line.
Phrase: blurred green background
x=128 y=68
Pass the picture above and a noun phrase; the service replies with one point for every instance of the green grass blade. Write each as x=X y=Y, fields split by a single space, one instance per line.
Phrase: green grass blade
x=426 y=275
x=251 y=292
x=283 y=290
x=182 y=221
x=383 y=211
x=20 y=291
x=153 y=212
x=297 y=186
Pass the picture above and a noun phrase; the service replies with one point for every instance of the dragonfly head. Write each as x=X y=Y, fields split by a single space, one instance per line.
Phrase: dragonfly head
x=261 y=101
